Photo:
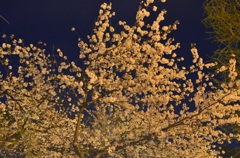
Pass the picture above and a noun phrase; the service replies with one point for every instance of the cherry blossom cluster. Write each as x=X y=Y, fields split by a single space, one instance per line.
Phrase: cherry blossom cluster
x=128 y=97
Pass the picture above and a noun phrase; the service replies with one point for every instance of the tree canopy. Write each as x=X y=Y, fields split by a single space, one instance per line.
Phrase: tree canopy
x=128 y=96
x=223 y=18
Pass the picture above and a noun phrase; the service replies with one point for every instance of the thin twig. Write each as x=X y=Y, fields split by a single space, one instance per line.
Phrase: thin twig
x=4 y=19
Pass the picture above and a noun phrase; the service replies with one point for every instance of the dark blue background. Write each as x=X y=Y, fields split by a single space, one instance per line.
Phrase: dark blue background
x=50 y=21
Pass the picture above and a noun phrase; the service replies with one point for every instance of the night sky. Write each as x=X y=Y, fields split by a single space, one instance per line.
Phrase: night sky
x=51 y=21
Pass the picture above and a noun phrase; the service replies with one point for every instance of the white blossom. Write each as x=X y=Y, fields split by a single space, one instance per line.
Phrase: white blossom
x=126 y=97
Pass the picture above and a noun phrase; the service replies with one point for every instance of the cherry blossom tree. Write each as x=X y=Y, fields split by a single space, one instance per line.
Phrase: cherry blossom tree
x=130 y=96
x=30 y=124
